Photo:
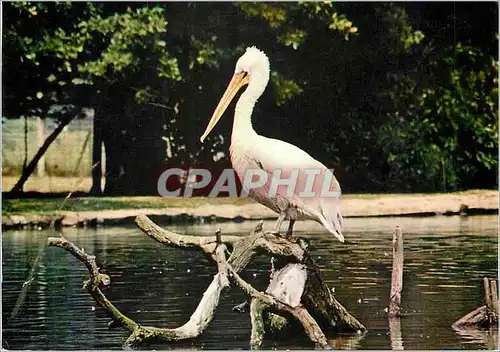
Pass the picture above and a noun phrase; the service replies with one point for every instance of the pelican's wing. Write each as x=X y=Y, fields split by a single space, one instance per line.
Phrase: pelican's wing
x=273 y=154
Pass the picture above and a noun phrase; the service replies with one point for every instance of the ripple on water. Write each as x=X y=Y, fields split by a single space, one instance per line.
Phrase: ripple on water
x=445 y=259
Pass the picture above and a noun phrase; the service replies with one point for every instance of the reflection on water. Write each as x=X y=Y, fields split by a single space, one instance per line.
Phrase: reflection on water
x=395 y=334
x=487 y=338
x=445 y=260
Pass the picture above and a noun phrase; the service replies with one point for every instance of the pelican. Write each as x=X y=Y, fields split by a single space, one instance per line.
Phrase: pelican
x=250 y=150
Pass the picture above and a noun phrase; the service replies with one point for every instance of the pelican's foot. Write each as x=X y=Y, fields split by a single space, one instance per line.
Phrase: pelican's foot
x=284 y=235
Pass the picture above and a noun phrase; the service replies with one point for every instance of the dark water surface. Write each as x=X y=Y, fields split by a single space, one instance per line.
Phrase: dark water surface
x=445 y=260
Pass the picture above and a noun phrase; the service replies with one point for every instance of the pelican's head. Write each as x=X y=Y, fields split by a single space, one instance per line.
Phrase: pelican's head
x=254 y=62
x=252 y=68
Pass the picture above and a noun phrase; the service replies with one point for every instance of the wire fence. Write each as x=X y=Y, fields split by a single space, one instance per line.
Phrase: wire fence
x=61 y=159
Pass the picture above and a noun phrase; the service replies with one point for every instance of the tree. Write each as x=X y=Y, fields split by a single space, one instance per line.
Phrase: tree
x=135 y=64
x=447 y=135
x=154 y=72
x=75 y=57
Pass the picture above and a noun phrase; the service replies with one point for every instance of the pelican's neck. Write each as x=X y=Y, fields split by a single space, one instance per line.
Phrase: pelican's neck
x=242 y=125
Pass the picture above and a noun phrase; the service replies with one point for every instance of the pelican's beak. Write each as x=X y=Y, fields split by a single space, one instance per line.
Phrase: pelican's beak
x=339 y=236
x=239 y=80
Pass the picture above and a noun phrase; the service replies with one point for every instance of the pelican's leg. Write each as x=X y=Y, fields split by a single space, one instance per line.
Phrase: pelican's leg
x=272 y=269
x=279 y=222
x=289 y=233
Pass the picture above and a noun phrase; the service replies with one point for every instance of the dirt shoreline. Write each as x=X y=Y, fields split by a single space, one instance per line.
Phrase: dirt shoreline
x=374 y=205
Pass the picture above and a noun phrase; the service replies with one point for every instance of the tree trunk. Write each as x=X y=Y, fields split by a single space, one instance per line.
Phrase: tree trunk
x=18 y=187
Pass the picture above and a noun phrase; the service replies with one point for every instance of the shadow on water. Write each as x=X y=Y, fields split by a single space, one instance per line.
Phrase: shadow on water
x=486 y=338
x=445 y=260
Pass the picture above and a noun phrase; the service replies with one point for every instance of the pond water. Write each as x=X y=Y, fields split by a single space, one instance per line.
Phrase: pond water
x=445 y=261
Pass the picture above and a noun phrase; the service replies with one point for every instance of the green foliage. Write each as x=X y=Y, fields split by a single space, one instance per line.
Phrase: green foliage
x=204 y=53
x=377 y=95
x=399 y=28
x=285 y=88
x=446 y=135
x=92 y=46
x=325 y=12
x=119 y=37
x=289 y=20
x=82 y=48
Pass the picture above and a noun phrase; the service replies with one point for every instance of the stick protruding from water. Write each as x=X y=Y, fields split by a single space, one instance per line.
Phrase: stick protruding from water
x=397 y=273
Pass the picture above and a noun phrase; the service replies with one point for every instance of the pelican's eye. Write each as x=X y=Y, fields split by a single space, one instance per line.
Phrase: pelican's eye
x=244 y=74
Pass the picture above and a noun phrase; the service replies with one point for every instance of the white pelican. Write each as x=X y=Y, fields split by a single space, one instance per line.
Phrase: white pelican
x=249 y=150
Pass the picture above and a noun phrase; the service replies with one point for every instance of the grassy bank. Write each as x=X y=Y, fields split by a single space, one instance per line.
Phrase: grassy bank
x=52 y=206
x=118 y=210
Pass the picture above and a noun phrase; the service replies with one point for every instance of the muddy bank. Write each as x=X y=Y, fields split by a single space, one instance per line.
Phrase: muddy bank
x=465 y=203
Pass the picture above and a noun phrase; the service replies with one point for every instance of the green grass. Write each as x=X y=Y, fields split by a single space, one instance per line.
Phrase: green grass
x=53 y=205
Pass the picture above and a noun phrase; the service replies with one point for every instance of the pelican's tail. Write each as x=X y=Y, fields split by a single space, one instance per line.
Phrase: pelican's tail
x=332 y=220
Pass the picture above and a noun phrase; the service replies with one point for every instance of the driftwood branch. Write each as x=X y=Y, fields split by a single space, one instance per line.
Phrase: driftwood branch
x=479 y=323
x=477 y=317
x=197 y=323
x=312 y=300
x=317 y=298
x=205 y=243
x=257 y=320
x=491 y=299
x=94 y=281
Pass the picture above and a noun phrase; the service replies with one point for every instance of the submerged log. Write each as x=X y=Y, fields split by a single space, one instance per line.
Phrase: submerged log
x=287 y=285
x=485 y=316
x=301 y=285
x=297 y=292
